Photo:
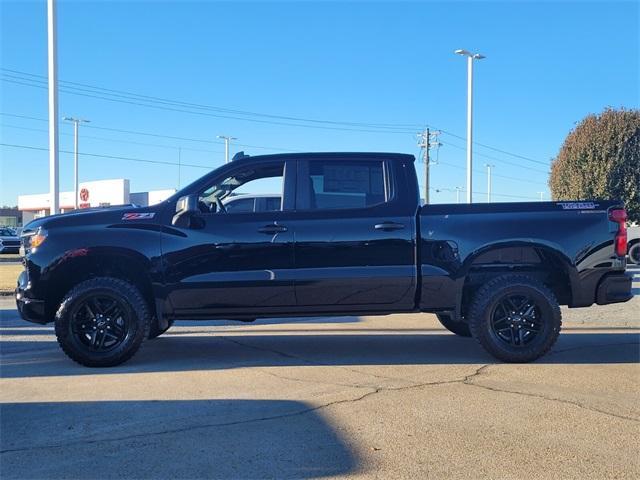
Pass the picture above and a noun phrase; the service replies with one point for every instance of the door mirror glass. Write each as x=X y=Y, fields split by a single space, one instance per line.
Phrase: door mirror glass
x=186 y=208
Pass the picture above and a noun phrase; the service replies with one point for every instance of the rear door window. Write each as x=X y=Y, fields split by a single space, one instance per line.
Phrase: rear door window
x=346 y=184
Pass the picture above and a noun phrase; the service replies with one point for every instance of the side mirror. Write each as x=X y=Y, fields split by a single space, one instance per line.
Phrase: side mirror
x=186 y=208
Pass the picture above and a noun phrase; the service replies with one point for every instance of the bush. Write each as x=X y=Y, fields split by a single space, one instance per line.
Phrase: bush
x=600 y=159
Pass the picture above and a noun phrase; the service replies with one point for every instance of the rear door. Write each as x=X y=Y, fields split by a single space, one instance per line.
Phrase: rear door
x=354 y=235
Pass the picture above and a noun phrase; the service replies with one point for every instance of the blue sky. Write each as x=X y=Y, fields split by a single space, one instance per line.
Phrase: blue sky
x=548 y=65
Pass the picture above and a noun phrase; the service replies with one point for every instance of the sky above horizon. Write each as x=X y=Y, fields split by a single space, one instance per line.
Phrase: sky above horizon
x=160 y=80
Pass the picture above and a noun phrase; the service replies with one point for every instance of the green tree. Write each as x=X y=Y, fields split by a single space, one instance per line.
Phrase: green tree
x=600 y=159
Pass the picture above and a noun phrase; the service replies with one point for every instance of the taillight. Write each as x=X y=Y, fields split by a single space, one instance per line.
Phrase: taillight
x=619 y=216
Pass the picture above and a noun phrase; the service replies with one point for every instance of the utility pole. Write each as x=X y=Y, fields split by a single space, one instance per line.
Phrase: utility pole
x=54 y=186
x=458 y=194
x=76 y=122
x=226 y=139
x=541 y=196
x=470 y=58
x=425 y=143
x=488 y=165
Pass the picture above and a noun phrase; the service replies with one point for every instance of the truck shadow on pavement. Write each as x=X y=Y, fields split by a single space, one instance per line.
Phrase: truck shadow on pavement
x=170 y=439
x=230 y=350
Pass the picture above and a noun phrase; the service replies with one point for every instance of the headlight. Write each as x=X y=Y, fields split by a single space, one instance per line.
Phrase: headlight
x=34 y=240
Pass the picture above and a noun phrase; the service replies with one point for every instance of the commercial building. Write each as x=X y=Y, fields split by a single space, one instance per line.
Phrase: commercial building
x=100 y=193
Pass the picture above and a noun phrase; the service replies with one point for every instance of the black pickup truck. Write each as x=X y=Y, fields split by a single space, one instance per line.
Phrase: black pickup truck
x=349 y=238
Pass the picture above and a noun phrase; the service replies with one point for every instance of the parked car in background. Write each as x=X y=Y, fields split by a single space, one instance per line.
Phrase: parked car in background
x=269 y=202
x=9 y=241
x=633 y=239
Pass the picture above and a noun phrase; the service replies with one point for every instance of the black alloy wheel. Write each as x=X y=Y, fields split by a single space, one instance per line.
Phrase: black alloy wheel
x=516 y=320
x=100 y=322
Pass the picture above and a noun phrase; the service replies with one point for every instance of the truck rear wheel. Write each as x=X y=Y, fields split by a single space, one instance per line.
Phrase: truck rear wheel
x=515 y=318
x=634 y=254
x=459 y=328
x=102 y=322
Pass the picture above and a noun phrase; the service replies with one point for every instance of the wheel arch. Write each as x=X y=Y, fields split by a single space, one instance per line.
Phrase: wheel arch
x=547 y=263
x=82 y=264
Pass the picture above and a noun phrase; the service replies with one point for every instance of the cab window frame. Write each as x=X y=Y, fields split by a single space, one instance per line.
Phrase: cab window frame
x=303 y=193
x=287 y=193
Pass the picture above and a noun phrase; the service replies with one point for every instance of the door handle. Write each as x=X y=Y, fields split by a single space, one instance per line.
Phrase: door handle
x=273 y=228
x=388 y=226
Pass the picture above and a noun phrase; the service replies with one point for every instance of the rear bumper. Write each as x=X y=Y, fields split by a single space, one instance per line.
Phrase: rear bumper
x=614 y=288
x=31 y=309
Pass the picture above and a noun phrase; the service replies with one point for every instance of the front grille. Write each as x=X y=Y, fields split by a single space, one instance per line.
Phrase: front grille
x=11 y=243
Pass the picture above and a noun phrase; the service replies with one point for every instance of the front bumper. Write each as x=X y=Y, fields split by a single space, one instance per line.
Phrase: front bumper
x=31 y=309
x=614 y=288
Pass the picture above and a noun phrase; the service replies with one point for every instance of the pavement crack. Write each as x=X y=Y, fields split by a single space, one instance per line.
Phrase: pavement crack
x=308 y=361
x=468 y=381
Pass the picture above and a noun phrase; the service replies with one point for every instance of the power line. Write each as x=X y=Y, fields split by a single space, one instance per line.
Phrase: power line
x=206 y=114
x=506 y=162
x=157 y=135
x=116 y=140
x=129 y=97
x=113 y=157
x=190 y=139
x=126 y=94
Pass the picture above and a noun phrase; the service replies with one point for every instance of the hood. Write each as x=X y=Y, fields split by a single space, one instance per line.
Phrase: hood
x=90 y=216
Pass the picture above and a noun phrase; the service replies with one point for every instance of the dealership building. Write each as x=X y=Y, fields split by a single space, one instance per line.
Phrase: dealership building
x=101 y=193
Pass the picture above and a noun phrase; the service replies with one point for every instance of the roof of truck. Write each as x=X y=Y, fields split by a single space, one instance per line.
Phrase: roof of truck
x=325 y=155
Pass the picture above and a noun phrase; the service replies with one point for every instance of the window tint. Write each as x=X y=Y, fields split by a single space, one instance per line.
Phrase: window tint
x=272 y=204
x=241 y=205
x=249 y=181
x=340 y=184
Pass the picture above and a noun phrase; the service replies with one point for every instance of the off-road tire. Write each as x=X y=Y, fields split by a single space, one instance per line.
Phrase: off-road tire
x=459 y=328
x=134 y=306
x=155 y=332
x=634 y=254
x=485 y=303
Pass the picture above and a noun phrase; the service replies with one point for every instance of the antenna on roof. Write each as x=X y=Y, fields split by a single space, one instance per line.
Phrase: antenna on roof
x=238 y=156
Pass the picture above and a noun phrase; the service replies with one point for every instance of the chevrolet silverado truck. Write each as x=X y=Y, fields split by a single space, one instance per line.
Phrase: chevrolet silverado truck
x=349 y=238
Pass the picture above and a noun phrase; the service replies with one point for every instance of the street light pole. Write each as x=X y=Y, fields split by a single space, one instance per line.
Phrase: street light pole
x=226 y=139
x=458 y=194
x=76 y=122
x=54 y=185
x=470 y=58
x=488 y=165
x=541 y=196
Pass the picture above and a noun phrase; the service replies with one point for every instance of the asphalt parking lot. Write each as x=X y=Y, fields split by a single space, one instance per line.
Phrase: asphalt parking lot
x=370 y=397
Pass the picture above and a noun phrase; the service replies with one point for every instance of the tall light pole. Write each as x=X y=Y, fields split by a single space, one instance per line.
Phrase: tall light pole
x=488 y=165
x=76 y=122
x=458 y=194
x=541 y=196
x=226 y=139
x=470 y=58
x=54 y=185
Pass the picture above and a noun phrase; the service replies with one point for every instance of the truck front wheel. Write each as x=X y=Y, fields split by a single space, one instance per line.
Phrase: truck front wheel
x=515 y=318
x=102 y=322
x=459 y=328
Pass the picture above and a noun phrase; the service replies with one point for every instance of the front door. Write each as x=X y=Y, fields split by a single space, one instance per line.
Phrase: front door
x=234 y=262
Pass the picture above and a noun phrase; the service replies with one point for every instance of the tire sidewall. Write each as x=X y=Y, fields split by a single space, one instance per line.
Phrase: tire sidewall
x=634 y=254
x=482 y=316
x=136 y=325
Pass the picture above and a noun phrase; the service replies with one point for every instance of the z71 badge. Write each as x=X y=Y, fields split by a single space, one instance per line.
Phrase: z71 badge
x=138 y=216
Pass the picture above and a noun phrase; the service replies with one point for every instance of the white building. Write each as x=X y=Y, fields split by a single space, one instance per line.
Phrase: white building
x=101 y=193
